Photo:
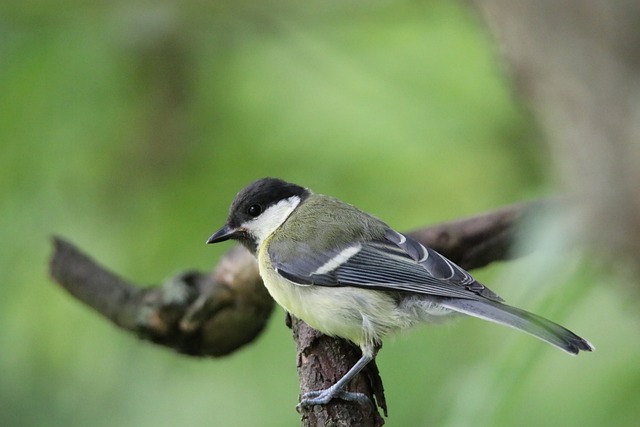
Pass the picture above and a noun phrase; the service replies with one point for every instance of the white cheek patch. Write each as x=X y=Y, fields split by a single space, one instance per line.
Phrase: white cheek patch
x=338 y=260
x=272 y=218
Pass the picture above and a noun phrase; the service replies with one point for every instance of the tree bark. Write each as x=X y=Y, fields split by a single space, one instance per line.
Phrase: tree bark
x=576 y=65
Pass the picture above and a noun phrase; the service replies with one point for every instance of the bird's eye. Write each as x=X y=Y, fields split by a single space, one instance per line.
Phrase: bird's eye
x=254 y=210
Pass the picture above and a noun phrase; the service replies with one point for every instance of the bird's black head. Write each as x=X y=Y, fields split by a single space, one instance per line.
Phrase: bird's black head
x=258 y=210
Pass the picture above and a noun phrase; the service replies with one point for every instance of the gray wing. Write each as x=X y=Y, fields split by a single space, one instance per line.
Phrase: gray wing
x=394 y=263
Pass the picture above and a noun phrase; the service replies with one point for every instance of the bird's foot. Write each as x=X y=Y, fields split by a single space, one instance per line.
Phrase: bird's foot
x=322 y=397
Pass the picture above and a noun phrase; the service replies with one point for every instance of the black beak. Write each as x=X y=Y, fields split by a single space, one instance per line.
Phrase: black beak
x=225 y=233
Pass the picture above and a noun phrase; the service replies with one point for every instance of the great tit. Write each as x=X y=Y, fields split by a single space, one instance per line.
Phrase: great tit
x=349 y=275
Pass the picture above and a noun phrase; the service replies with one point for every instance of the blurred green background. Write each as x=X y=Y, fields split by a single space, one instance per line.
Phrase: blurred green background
x=129 y=127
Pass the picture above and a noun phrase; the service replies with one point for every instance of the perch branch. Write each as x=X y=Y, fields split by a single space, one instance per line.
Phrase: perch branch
x=214 y=314
x=198 y=314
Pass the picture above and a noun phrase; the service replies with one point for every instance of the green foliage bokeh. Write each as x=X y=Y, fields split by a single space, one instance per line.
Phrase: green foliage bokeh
x=128 y=128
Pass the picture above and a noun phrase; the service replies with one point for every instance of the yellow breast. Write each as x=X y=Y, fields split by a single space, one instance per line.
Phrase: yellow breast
x=360 y=315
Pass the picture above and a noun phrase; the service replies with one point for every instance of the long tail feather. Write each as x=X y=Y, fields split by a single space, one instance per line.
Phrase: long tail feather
x=516 y=318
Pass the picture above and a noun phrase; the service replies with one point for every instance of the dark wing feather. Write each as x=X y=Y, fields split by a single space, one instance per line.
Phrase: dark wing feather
x=394 y=263
x=439 y=266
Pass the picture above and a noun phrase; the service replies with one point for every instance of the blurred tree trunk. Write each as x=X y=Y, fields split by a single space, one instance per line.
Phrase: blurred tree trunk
x=577 y=65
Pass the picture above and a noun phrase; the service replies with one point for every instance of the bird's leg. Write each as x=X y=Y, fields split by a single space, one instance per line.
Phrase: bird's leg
x=322 y=397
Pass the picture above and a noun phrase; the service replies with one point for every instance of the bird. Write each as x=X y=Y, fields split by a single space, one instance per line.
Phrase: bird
x=348 y=274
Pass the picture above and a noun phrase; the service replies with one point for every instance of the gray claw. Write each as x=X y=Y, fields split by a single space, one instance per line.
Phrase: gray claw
x=322 y=397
